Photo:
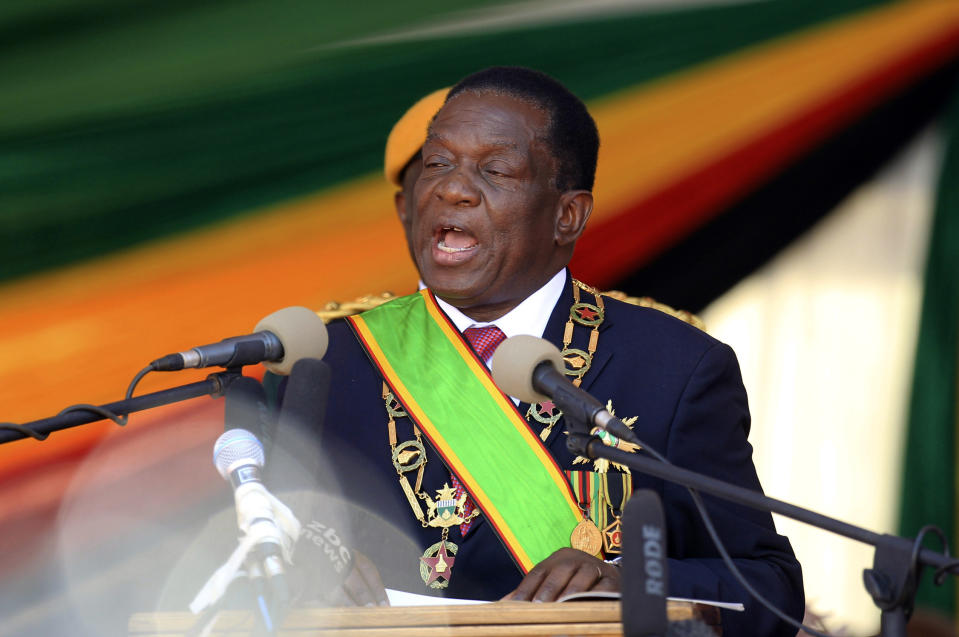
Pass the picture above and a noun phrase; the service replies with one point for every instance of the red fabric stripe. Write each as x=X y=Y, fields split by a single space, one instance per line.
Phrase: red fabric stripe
x=634 y=237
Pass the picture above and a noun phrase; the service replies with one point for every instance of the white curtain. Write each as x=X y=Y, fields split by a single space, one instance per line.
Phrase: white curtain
x=825 y=335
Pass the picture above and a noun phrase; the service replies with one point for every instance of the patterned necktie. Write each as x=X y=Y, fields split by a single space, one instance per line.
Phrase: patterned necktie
x=484 y=340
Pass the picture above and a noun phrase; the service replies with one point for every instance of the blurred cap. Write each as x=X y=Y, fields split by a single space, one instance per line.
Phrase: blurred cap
x=409 y=133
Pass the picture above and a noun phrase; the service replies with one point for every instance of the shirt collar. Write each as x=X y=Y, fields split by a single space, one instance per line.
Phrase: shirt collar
x=529 y=317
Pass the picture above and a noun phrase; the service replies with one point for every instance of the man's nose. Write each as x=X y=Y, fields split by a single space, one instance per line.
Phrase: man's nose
x=457 y=188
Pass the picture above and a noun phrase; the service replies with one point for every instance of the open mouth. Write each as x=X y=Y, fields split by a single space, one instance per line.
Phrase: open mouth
x=453 y=240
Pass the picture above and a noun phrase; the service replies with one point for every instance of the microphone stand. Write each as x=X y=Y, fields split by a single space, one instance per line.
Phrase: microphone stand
x=214 y=385
x=894 y=576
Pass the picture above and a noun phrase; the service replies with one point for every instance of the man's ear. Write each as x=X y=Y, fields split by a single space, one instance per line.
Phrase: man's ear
x=399 y=201
x=575 y=207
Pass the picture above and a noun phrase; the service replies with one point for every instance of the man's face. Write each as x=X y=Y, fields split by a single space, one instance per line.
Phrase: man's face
x=484 y=229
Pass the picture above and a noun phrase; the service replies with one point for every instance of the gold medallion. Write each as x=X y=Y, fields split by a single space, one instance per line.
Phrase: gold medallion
x=447 y=510
x=577 y=361
x=545 y=413
x=587 y=314
x=409 y=455
x=586 y=538
x=436 y=564
x=613 y=536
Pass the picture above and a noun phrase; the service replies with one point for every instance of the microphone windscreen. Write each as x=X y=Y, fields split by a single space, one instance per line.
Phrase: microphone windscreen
x=297 y=460
x=690 y=628
x=302 y=333
x=515 y=360
x=645 y=578
x=306 y=394
x=245 y=406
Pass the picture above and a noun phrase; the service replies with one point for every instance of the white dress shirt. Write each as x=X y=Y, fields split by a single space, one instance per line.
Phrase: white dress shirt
x=529 y=317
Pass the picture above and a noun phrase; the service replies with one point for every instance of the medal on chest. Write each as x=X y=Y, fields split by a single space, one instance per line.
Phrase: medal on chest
x=444 y=511
x=586 y=537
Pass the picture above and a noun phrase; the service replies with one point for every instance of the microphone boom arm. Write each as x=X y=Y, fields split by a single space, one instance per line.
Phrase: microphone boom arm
x=891 y=582
x=214 y=385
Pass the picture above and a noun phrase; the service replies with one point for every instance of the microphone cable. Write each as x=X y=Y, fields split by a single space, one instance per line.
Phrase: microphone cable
x=119 y=419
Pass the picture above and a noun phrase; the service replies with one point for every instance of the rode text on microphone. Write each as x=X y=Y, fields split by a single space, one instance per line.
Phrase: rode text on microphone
x=645 y=577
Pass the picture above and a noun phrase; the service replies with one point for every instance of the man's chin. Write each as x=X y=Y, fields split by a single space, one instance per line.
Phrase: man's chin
x=456 y=295
x=450 y=282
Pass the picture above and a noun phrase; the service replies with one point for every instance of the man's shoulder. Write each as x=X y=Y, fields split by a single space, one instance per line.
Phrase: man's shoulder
x=344 y=347
x=654 y=321
x=657 y=340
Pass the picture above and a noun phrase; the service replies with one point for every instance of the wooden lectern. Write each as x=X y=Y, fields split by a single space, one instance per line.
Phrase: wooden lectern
x=475 y=620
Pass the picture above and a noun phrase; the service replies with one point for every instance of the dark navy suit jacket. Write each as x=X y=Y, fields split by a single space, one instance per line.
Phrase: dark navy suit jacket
x=685 y=388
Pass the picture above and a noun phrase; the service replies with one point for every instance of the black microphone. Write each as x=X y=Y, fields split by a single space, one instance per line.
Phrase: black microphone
x=689 y=628
x=322 y=558
x=295 y=453
x=278 y=341
x=529 y=368
x=305 y=396
x=645 y=575
x=245 y=407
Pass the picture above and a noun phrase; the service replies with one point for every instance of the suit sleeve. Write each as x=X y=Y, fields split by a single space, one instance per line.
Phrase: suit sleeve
x=708 y=434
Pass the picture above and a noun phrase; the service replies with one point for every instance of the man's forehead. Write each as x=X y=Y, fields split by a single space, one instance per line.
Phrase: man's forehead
x=508 y=143
x=497 y=117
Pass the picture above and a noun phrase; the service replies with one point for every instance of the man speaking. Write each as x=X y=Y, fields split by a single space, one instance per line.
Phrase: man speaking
x=420 y=435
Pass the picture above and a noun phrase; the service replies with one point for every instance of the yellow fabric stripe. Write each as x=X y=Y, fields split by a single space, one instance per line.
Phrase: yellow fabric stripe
x=655 y=134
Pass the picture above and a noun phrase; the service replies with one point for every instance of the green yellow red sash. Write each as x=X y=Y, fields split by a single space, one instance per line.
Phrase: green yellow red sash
x=476 y=428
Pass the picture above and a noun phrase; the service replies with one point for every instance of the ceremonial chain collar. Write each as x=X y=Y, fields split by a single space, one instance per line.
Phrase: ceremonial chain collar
x=446 y=510
x=578 y=362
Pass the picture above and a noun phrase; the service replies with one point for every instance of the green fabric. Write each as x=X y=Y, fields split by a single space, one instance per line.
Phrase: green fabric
x=124 y=122
x=929 y=476
x=469 y=422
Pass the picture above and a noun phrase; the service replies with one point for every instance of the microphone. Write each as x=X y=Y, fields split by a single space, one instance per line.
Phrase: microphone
x=645 y=576
x=689 y=628
x=278 y=341
x=299 y=426
x=239 y=458
x=322 y=557
x=530 y=369
x=245 y=408
x=306 y=395
x=268 y=526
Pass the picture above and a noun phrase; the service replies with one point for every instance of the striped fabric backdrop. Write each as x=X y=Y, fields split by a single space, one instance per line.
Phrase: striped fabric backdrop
x=171 y=173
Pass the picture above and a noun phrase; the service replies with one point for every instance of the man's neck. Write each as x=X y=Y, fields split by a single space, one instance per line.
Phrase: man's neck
x=490 y=313
x=529 y=316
